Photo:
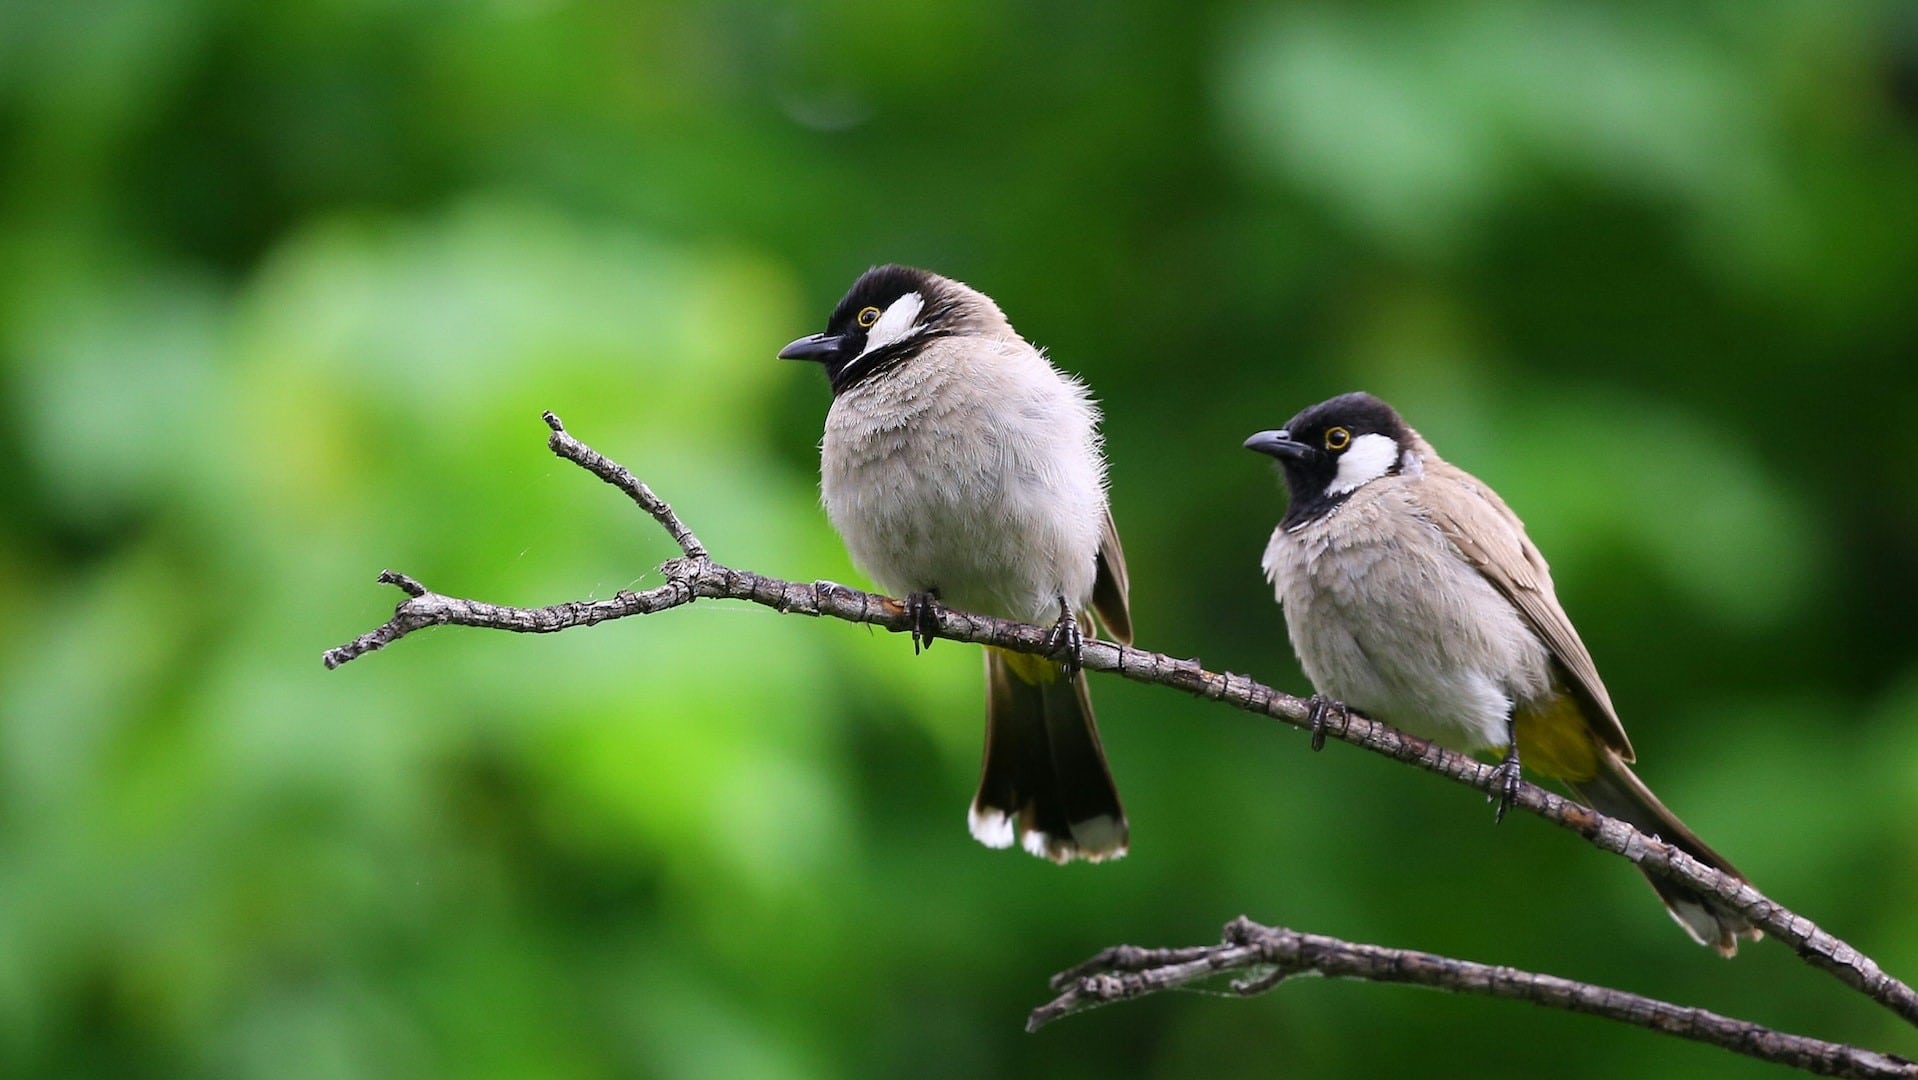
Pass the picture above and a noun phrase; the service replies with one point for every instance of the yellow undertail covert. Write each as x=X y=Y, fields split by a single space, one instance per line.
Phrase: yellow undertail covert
x=1556 y=740
x=1029 y=668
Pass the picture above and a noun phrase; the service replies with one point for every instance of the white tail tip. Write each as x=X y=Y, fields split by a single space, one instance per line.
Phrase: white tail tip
x=990 y=827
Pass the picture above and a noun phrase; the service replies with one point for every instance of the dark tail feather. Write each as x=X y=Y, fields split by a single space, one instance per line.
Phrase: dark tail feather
x=1044 y=767
x=1618 y=792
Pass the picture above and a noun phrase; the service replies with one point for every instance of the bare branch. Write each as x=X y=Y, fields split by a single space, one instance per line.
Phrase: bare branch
x=563 y=444
x=1273 y=954
x=424 y=608
x=696 y=576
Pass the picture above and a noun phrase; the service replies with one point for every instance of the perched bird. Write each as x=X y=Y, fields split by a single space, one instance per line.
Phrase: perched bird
x=962 y=468
x=1412 y=594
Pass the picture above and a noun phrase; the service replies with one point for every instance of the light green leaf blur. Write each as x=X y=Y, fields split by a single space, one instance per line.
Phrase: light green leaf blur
x=285 y=288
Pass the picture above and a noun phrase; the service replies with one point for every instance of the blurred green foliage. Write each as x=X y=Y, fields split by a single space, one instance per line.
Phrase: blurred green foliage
x=284 y=288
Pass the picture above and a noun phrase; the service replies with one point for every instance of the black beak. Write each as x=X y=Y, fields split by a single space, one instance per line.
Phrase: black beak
x=811 y=347
x=1279 y=444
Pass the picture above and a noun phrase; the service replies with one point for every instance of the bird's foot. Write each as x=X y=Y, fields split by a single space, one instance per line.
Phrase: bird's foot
x=1065 y=642
x=923 y=609
x=1318 y=709
x=1507 y=776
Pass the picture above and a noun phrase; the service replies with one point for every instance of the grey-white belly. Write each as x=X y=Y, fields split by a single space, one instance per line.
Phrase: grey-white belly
x=999 y=520
x=1387 y=617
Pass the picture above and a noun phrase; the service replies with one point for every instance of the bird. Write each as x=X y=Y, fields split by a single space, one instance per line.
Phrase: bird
x=962 y=469
x=1412 y=594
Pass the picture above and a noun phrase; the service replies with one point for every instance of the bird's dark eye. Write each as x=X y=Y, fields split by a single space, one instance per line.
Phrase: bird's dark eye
x=1337 y=438
x=868 y=316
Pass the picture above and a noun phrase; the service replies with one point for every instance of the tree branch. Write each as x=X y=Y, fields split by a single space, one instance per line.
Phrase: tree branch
x=563 y=444
x=697 y=576
x=1273 y=954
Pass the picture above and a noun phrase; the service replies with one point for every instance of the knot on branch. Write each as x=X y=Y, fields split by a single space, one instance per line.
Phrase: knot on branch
x=1243 y=931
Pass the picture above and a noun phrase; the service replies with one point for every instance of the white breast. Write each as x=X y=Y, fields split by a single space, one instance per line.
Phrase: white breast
x=1387 y=617
x=972 y=468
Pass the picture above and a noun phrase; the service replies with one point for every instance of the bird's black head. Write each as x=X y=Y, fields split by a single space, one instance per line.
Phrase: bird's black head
x=887 y=316
x=1334 y=448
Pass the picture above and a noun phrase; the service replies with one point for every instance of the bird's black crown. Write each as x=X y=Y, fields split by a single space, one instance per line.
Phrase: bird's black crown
x=846 y=349
x=1313 y=444
x=878 y=288
x=1359 y=413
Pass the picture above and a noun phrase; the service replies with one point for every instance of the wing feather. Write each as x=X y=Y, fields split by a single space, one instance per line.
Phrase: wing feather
x=1493 y=540
x=1112 y=588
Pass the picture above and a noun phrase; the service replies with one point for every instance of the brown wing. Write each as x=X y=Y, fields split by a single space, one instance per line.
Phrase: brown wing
x=1493 y=540
x=1112 y=589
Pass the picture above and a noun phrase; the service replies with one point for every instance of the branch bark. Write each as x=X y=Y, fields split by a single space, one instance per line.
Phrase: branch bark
x=1271 y=954
x=695 y=576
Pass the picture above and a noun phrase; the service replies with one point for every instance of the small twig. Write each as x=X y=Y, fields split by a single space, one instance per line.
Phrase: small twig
x=696 y=576
x=424 y=608
x=563 y=444
x=1275 y=953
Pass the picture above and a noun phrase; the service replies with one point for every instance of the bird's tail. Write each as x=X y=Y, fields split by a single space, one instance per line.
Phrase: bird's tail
x=1044 y=768
x=1618 y=792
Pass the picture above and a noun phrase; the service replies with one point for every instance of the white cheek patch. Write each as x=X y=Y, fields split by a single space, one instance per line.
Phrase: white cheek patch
x=895 y=323
x=1368 y=458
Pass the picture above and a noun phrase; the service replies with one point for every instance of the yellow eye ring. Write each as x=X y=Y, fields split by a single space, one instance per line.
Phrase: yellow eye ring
x=868 y=316
x=1337 y=438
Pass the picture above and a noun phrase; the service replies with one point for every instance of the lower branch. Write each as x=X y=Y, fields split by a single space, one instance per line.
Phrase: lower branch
x=1272 y=954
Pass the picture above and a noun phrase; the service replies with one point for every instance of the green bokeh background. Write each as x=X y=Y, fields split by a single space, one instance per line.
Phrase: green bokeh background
x=284 y=289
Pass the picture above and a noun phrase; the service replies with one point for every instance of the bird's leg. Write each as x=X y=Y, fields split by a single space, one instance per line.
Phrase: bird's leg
x=1318 y=708
x=1066 y=637
x=923 y=608
x=1507 y=773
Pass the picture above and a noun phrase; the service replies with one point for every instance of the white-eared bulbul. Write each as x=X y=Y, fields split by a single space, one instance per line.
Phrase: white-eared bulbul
x=1412 y=594
x=962 y=468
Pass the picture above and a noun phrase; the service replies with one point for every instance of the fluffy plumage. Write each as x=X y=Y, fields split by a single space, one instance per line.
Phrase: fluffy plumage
x=972 y=468
x=958 y=462
x=1412 y=594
